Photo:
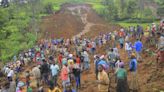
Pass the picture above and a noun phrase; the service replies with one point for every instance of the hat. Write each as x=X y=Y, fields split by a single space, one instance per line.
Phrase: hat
x=64 y=61
x=121 y=64
x=70 y=55
x=133 y=54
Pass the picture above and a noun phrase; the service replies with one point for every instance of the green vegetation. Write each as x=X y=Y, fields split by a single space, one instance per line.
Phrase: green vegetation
x=118 y=10
x=14 y=33
x=125 y=24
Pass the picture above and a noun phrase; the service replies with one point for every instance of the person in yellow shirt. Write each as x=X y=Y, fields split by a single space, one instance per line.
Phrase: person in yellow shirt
x=103 y=79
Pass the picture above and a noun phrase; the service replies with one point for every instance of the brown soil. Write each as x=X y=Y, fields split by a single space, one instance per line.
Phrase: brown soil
x=65 y=25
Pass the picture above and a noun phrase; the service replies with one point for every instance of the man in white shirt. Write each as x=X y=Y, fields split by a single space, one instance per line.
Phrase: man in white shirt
x=10 y=75
x=54 y=72
x=128 y=48
x=6 y=70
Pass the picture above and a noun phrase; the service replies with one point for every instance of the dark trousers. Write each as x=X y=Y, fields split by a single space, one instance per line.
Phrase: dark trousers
x=96 y=72
x=121 y=45
x=54 y=78
x=45 y=77
x=122 y=85
x=9 y=79
x=77 y=78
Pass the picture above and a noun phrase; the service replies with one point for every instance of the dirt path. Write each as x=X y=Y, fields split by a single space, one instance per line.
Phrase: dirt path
x=78 y=11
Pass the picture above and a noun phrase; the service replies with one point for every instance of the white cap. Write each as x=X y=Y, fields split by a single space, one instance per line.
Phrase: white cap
x=70 y=55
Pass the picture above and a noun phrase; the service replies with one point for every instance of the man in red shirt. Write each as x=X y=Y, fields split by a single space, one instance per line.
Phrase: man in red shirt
x=78 y=60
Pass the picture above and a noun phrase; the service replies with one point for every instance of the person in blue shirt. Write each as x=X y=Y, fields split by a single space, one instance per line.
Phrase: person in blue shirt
x=138 y=48
x=121 y=41
x=133 y=64
x=96 y=61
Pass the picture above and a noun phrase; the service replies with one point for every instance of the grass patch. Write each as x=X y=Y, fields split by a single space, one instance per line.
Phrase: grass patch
x=125 y=24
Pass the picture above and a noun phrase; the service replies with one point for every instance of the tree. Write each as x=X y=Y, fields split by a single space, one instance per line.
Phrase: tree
x=110 y=13
x=131 y=8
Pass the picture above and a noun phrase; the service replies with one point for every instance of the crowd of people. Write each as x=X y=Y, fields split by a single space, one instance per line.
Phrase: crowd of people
x=60 y=63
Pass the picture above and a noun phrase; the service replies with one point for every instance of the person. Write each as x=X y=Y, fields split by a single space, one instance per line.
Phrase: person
x=6 y=69
x=19 y=87
x=54 y=72
x=37 y=74
x=117 y=64
x=139 y=31
x=138 y=48
x=45 y=71
x=69 y=88
x=86 y=60
x=78 y=60
x=96 y=61
x=133 y=71
x=29 y=89
x=40 y=88
x=93 y=49
x=103 y=80
x=121 y=40
x=76 y=72
x=81 y=61
x=111 y=58
x=70 y=61
x=54 y=89
x=160 y=50
x=116 y=52
x=128 y=48
x=60 y=59
x=148 y=29
x=64 y=75
x=51 y=87
x=153 y=29
x=121 y=76
x=27 y=78
x=10 y=74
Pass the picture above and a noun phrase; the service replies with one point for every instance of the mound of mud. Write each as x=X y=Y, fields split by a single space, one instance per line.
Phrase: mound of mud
x=69 y=21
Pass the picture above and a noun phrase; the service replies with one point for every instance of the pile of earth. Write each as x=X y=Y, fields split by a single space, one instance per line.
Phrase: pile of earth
x=64 y=24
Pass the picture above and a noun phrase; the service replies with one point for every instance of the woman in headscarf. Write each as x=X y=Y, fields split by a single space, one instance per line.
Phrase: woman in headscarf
x=103 y=79
x=133 y=69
